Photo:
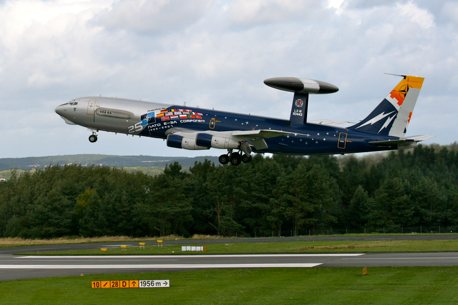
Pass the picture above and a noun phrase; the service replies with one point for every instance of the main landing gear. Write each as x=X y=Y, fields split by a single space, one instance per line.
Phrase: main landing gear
x=235 y=158
x=93 y=137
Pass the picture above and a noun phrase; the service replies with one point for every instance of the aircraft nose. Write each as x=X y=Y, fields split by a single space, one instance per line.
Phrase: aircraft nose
x=59 y=110
x=62 y=109
x=64 y=112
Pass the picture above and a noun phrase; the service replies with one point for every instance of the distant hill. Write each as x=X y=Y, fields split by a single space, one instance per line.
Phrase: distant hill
x=98 y=160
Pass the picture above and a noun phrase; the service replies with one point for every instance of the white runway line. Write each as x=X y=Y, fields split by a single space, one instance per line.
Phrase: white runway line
x=187 y=256
x=412 y=258
x=160 y=266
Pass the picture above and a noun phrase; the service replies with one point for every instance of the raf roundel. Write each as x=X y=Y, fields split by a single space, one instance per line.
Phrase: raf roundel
x=299 y=103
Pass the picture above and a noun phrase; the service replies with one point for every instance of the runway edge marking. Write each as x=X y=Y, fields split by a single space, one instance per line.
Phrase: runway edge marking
x=188 y=256
x=163 y=266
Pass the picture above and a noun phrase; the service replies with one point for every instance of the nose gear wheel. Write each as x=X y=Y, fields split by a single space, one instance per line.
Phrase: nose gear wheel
x=93 y=137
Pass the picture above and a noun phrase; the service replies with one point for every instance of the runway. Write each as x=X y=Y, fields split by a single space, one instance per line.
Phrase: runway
x=20 y=267
x=15 y=266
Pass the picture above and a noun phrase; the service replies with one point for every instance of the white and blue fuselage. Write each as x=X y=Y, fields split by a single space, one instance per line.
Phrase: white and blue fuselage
x=197 y=128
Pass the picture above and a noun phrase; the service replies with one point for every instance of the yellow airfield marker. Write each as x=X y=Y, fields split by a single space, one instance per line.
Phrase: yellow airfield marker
x=120 y=284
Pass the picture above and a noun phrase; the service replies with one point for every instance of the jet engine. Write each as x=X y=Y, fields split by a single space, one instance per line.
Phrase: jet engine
x=196 y=141
x=184 y=140
x=212 y=140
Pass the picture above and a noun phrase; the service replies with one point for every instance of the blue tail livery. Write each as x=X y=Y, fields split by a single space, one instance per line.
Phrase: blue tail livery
x=392 y=116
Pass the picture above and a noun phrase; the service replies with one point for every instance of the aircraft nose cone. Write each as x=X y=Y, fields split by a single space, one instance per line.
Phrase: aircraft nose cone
x=59 y=110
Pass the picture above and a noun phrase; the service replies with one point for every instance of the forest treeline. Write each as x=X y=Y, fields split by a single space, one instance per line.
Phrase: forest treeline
x=410 y=190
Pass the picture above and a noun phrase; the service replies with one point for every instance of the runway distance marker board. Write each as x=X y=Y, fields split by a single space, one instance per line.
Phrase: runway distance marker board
x=120 y=284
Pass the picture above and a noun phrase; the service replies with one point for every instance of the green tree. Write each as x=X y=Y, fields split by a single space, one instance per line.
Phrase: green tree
x=358 y=210
x=224 y=201
x=394 y=210
x=308 y=198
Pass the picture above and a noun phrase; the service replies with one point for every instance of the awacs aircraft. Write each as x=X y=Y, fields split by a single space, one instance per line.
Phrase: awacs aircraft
x=241 y=134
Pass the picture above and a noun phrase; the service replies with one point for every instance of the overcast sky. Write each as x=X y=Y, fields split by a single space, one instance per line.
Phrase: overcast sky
x=216 y=54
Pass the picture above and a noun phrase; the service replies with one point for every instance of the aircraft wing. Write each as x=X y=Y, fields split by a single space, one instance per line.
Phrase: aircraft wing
x=255 y=138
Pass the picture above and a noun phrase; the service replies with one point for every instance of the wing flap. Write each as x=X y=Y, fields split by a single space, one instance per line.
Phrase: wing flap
x=256 y=138
x=261 y=133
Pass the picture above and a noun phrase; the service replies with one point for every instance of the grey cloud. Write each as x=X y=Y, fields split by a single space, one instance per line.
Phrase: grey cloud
x=450 y=12
x=439 y=9
x=216 y=54
x=152 y=17
x=245 y=14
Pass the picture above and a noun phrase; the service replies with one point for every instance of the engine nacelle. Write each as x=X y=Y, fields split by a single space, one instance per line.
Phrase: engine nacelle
x=216 y=141
x=204 y=139
x=183 y=140
x=196 y=141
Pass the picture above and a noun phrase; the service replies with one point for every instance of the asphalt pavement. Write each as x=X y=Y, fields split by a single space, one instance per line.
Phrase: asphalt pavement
x=21 y=267
x=15 y=266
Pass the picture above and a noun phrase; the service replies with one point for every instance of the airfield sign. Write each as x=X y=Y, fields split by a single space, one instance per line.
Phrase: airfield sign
x=130 y=284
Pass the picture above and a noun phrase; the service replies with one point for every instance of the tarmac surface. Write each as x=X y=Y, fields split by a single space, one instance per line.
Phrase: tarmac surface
x=21 y=267
x=413 y=236
x=14 y=266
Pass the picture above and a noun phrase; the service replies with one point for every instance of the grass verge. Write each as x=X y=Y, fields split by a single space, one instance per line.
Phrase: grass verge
x=17 y=242
x=8 y=242
x=278 y=247
x=407 y=285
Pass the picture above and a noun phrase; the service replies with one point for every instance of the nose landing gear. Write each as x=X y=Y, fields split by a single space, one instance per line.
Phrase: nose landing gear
x=93 y=137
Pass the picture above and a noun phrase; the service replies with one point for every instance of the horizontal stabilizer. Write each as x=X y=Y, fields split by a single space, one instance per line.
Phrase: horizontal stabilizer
x=400 y=142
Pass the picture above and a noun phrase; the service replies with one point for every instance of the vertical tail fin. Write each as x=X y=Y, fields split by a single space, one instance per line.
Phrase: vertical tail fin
x=299 y=109
x=392 y=116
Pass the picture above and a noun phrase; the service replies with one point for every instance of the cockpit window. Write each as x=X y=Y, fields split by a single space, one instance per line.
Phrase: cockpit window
x=70 y=103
